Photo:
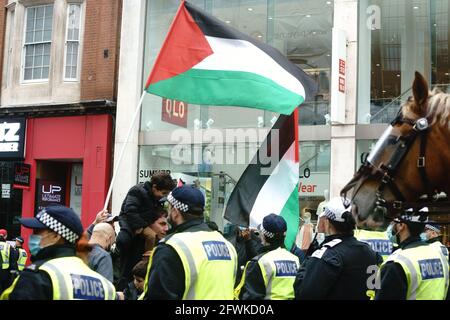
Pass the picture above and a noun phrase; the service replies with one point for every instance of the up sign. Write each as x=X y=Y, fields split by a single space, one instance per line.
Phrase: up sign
x=174 y=112
x=12 y=138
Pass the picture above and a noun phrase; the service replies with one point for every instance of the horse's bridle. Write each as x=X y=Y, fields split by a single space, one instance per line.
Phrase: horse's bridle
x=386 y=172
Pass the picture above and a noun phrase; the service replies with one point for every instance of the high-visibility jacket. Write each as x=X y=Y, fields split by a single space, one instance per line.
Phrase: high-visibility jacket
x=4 y=252
x=72 y=279
x=378 y=241
x=22 y=260
x=441 y=247
x=209 y=263
x=426 y=271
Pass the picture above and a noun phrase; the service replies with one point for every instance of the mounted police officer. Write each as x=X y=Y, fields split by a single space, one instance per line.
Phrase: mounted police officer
x=413 y=272
x=22 y=255
x=193 y=262
x=57 y=273
x=339 y=268
x=271 y=274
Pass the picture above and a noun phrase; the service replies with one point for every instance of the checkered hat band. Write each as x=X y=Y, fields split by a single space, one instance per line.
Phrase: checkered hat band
x=57 y=226
x=332 y=216
x=267 y=233
x=177 y=204
x=432 y=228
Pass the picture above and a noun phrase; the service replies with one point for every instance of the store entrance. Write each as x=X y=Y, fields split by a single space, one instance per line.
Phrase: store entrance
x=58 y=182
x=10 y=200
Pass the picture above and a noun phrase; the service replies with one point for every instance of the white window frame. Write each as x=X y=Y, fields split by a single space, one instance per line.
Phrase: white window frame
x=79 y=43
x=22 y=72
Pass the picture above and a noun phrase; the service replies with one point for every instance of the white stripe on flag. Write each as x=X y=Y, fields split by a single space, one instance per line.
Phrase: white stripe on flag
x=241 y=55
x=278 y=188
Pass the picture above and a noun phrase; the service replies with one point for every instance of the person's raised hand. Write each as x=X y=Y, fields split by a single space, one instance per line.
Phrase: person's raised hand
x=101 y=217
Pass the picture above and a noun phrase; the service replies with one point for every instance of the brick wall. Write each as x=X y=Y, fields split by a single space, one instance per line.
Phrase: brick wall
x=101 y=49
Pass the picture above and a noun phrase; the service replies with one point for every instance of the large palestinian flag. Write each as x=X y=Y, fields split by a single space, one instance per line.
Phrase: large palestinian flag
x=257 y=195
x=205 y=61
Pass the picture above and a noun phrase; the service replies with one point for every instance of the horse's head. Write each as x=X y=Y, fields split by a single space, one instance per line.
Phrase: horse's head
x=410 y=160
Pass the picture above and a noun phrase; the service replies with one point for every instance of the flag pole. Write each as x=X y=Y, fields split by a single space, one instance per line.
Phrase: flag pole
x=136 y=112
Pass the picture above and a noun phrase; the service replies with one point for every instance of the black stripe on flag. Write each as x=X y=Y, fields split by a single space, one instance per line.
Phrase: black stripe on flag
x=244 y=194
x=211 y=26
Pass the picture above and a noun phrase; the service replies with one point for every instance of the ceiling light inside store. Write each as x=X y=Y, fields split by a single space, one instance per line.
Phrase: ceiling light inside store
x=446 y=73
x=415 y=7
x=227 y=21
x=308 y=16
x=384 y=91
x=377 y=64
x=259 y=36
x=328 y=2
x=250 y=9
x=398 y=75
x=270 y=18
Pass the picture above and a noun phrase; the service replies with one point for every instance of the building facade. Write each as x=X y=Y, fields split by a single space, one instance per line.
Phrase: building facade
x=59 y=83
x=362 y=54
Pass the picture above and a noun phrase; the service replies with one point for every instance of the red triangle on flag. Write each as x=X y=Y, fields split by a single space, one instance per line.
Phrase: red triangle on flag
x=184 y=47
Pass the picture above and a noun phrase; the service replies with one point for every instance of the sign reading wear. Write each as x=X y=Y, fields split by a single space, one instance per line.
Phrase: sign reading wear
x=174 y=112
x=21 y=175
x=50 y=192
x=12 y=138
x=87 y=288
x=216 y=250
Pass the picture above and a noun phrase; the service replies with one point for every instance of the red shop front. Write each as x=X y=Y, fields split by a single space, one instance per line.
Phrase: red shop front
x=70 y=160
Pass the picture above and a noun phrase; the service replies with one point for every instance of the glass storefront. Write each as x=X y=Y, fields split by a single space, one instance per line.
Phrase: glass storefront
x=396 y=38
x=10 y=200
x=314 y=175
x=301 y=30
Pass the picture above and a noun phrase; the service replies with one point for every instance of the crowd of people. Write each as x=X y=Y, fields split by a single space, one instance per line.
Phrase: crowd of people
x=164 y=249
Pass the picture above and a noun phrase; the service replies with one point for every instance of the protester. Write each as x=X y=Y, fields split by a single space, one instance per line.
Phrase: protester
x=103 y=237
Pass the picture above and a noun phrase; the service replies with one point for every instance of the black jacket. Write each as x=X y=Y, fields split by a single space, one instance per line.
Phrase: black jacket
x=34 y=284
x=337 y=271
x=166 y=278
x=394 y=285
x=137 y=211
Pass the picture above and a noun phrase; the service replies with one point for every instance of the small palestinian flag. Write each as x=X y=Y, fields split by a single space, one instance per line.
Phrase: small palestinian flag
x=204 y=61
x=276 y=190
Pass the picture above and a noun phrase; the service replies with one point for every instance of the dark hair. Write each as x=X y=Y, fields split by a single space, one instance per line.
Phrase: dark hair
x=346 y=227
x=193 y=213
x=162 y=181
x=160 y=212
x=140 y=269
x=415 y=229
x=277 y=239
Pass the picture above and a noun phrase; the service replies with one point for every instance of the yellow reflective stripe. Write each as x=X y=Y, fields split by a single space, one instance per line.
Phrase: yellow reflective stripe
x=5 y=295
x=237 y=290
x=444 y=261
x=4 y=250
x=414 y=283
x=189 y=291
x=60 y=290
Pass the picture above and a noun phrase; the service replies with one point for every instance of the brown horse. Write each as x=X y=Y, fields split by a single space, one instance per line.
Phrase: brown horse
x=411 y=159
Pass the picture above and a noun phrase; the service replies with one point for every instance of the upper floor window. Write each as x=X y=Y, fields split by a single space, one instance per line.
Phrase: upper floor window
x=72 y=42
x=38 y=40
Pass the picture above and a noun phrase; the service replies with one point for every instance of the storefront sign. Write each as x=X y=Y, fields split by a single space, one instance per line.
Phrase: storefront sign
x=174 y=112
x=313 y=183
x=12 y=138
x=338 y=76
x=50 y=192
x=6 y=191
x=21 y=175
x=146 y=174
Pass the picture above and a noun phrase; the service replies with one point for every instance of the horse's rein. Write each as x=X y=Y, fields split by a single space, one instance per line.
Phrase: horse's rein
x=386 y=172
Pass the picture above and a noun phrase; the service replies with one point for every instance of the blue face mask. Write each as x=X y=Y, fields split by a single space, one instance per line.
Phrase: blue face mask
x=423 y=237
x=390 y=233
x=34 y=243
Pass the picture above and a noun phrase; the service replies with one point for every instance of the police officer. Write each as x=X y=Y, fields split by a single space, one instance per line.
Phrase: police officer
x=271 y=274
x=339 y=268
x=56 y=272
x=413 y=272
x=193 y=262
x=432 y=235
x=378 y=240
x=22 y=255
x=8 y=263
